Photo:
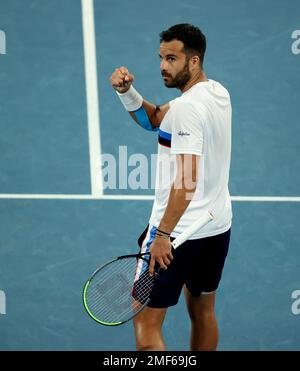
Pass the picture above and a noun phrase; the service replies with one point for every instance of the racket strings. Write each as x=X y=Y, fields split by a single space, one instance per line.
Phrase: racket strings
x=119 y=290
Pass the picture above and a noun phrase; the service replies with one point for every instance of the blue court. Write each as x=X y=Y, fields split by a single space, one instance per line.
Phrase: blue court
x=58 y=114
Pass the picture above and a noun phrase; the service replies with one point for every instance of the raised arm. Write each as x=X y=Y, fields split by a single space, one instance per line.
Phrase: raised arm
x=145 y=114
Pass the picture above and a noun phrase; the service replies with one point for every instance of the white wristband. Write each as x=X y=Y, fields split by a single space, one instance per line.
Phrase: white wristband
x=132 y=100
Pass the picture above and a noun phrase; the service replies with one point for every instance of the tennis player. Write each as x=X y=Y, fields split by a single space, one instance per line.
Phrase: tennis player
x=194 y=150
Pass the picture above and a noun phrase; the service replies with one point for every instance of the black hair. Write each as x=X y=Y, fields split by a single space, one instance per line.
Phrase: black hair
x=193 y=39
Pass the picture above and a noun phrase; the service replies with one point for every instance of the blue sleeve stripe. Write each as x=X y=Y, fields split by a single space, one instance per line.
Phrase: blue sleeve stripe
x=165 y=135
x=143 y=119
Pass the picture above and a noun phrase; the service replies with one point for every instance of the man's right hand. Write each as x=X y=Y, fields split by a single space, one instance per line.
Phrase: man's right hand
x=121 y=79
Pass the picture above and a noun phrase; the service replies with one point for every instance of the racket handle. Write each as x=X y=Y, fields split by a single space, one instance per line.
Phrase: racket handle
x=198 y=224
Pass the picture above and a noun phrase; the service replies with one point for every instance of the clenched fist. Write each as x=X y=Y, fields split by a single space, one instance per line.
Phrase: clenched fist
x=121 y=79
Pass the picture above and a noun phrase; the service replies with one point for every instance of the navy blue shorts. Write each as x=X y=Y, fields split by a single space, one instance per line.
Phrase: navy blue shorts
x=198 y=264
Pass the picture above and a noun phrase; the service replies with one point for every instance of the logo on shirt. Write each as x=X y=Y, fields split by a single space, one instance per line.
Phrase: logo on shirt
x=182 y=133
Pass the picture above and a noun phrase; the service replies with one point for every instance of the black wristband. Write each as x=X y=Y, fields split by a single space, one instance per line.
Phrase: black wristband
x=165 y=233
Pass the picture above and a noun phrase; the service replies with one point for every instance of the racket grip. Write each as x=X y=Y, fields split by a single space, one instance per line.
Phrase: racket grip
x=198 y=224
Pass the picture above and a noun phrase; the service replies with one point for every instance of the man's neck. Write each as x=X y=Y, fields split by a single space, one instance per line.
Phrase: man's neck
x=198 y=77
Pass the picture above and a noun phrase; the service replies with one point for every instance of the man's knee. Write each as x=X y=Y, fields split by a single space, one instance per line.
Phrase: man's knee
x=203 y=316
x=150 y=342
x=148 y=336
x=147 y=325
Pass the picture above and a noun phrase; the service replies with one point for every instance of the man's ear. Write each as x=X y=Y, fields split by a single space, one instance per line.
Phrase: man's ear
x=194 y=61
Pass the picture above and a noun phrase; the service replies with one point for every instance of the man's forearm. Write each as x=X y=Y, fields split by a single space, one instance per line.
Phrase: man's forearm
x=179 y=200
x=182 y=191
x=152 y=112
x=155 y=113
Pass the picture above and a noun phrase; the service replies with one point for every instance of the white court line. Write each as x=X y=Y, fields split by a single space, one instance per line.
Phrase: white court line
x=137 y=197
x=91 y=81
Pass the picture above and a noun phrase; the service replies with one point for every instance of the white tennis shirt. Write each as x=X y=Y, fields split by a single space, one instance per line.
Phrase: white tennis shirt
x=198 y=122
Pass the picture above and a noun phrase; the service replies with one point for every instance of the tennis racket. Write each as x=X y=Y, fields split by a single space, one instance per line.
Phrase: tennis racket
x=118 y=290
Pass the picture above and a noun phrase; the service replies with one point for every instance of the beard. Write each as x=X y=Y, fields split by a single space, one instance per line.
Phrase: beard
x=180 y=80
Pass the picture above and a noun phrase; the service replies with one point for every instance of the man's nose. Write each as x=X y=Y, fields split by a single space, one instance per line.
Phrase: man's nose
x=163 y=66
